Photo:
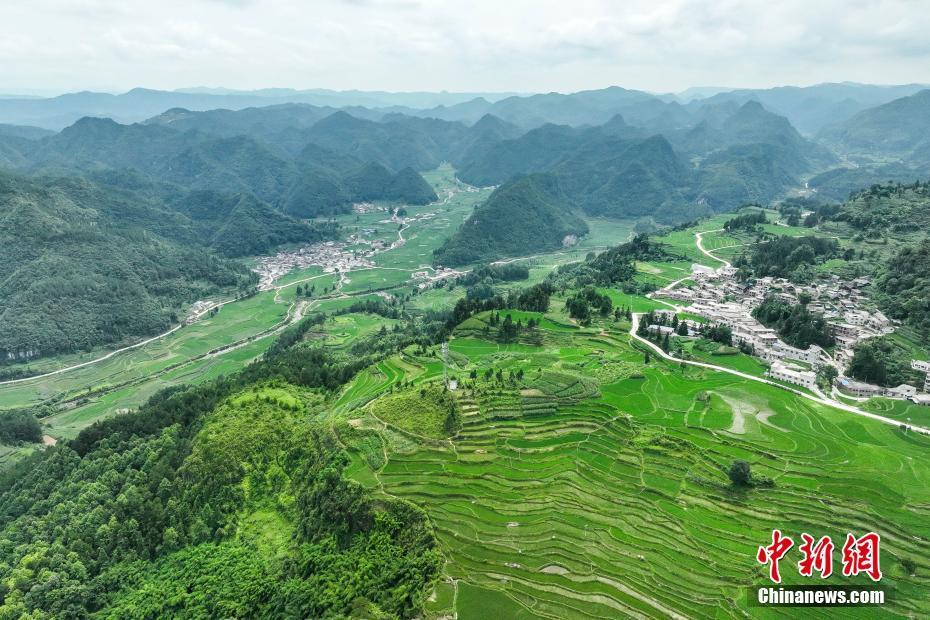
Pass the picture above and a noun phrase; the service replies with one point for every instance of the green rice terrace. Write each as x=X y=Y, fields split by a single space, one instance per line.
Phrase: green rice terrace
x=582 y=483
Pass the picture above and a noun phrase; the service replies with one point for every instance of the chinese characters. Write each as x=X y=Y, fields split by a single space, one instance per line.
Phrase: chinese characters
x=859 y=555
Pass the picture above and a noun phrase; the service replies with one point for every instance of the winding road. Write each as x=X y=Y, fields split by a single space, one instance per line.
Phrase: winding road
x=699 y=241
x=817 y=399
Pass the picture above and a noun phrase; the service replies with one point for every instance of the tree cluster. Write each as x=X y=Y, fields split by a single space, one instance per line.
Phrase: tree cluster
x=796 y=325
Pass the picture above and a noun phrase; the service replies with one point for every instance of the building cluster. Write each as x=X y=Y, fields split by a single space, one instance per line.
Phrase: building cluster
x=719 y=297
x=428 y=277
x=330 y=255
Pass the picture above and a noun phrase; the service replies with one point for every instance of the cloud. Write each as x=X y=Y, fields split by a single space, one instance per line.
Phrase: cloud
x=478 y=45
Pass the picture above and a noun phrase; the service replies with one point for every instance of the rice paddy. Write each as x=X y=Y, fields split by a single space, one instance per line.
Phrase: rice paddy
x=573 y=494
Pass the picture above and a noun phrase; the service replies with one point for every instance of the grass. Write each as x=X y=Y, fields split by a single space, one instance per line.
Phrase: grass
x=422 y=412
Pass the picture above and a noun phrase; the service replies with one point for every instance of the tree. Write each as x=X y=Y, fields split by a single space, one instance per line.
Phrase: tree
x=508 y=330
x=740 y=474
x=827 y=374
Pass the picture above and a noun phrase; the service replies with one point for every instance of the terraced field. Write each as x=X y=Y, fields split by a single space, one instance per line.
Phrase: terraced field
x=570 y=494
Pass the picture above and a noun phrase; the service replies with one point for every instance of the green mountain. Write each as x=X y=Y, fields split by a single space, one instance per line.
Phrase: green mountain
x=811 y=108
x=242 y=225
x=731 y=157
x=306 y=184
x=838 y=184
x=24 y=131
x=899 y=129
x=374 y=182
x=392 y=144
x=537 y=150
x=82 y=268
x=525 y=215
x=752 y=124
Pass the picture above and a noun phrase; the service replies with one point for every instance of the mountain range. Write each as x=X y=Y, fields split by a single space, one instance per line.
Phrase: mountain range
x=189 y=187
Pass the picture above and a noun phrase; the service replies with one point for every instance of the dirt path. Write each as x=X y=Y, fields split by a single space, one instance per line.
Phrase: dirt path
x=121 y=350
x=699 y=240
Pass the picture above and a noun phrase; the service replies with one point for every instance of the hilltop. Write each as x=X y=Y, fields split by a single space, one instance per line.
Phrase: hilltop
x=525 y=215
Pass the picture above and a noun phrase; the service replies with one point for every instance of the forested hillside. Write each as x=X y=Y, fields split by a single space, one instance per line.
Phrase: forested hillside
x=898 y=129
x=202 y=161
x=742 y=155
x=225 y=500
x=86 y=265
x=525 y=215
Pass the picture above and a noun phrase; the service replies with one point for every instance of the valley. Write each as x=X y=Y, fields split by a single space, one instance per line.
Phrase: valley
x=546 y=356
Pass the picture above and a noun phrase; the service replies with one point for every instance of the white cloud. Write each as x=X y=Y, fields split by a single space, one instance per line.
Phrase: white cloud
x=477 y=45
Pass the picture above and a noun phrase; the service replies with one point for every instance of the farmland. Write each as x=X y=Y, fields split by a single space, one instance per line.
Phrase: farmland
x=563 y=497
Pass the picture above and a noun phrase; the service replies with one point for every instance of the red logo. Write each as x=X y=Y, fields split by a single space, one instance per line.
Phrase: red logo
x=773 y=553
x=817 y=556
x=860 y=555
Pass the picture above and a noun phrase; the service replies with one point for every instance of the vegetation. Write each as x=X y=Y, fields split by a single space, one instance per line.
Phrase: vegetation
x=17 y=425
x=793 y=258
x=322 y=470
x=430 y=411
x=905 y=287
x=616 y=266
x=740 y=474
x=614 y=170
x=897 y=129
x=526 y=215
x=582 y=304
x=92 y=268
x=746 y=221
x=796 y=325
x=882 y=362
x=220 y=497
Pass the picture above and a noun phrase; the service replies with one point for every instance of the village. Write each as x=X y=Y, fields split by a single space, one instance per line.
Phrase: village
x=717 y=296
x=356 y=252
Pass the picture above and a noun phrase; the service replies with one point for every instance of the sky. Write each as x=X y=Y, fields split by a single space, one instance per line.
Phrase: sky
x=50 y=46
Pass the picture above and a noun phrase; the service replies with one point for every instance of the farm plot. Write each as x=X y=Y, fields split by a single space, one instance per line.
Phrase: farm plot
x=617 y=503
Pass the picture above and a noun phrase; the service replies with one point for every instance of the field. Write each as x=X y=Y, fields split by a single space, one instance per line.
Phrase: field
x=565 y=498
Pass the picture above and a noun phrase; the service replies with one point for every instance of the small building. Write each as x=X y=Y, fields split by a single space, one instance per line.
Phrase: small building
x=783 y=372
x=903 y=391
x=845 y=330
x=662 y=330
x=921 y=399
x=858 y=389
x=923 y=366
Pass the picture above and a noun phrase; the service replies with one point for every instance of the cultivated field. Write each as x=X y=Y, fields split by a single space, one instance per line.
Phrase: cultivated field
x=596 y=487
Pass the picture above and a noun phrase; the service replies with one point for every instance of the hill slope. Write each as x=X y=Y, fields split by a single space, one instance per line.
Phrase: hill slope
x=81 y=270
x=898 y=129
x=305 y=184
x=525 y=215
